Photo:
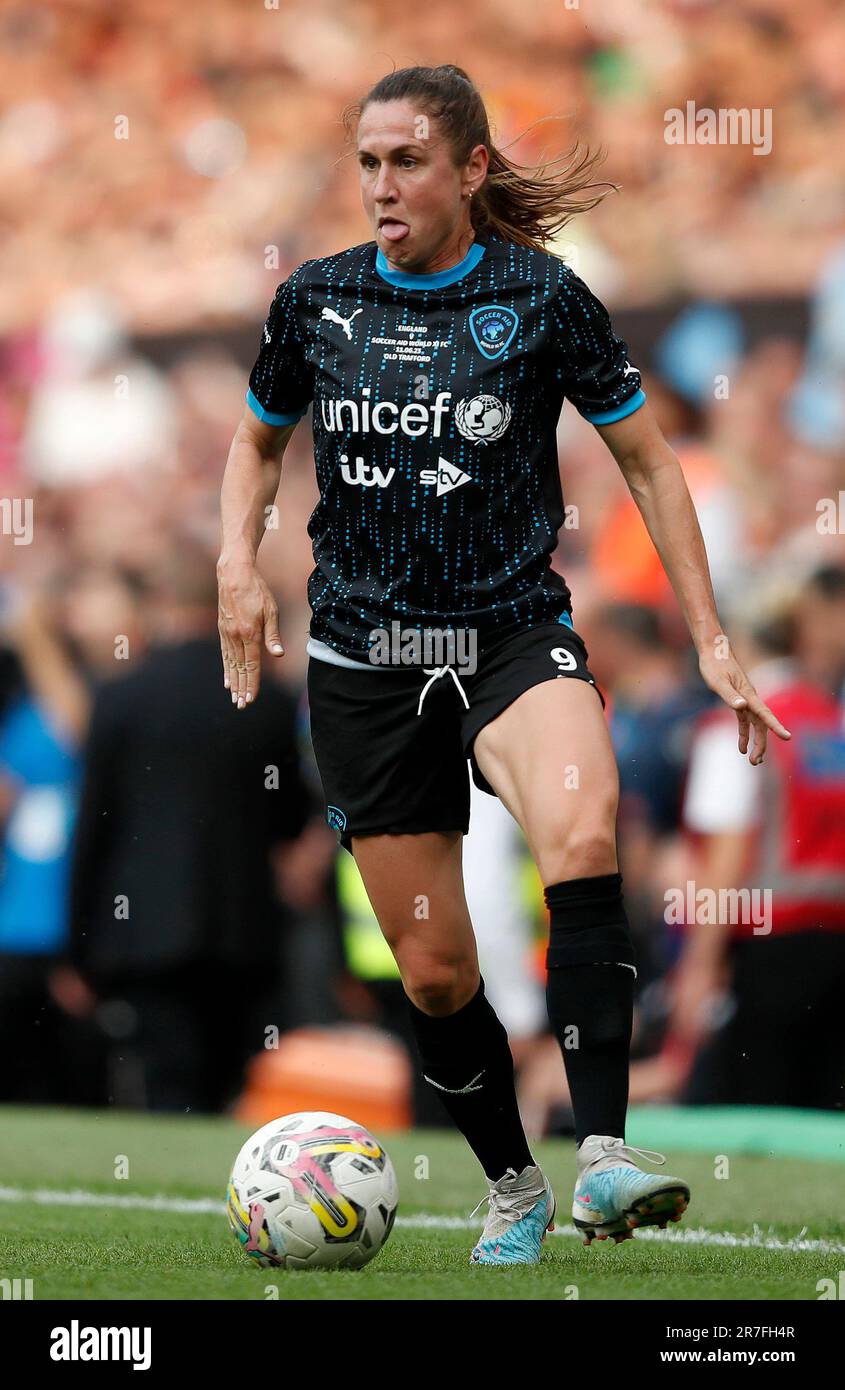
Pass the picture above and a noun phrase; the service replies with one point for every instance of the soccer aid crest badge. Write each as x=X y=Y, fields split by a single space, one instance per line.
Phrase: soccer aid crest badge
x=492 y=328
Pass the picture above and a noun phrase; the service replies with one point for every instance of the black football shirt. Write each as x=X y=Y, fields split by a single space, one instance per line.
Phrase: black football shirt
x=435 y=400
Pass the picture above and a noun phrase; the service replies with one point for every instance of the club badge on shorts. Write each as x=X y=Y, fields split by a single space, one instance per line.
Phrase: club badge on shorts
x=336 y=818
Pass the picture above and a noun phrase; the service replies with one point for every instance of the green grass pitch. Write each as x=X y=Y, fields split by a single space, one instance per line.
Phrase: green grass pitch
x=76 y=1249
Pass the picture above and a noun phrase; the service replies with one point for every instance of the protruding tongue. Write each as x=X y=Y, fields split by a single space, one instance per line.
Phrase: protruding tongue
x=394 y=231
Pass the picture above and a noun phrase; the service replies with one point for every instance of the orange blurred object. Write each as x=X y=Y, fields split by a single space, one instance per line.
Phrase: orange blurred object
x=624 y=557
x=358 y=1072
x=625 y=560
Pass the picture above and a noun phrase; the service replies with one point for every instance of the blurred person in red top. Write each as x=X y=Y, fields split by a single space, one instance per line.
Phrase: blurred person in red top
x=757 y=995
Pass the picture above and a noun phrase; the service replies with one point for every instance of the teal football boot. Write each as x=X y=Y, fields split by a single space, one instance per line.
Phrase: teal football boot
x=522 y=1209
x=613 y=1196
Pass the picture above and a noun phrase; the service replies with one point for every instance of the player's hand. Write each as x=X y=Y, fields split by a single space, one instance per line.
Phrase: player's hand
x=248 y=617
x=725 y=676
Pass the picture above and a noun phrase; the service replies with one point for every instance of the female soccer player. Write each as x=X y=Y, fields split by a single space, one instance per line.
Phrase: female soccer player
x=437 y=358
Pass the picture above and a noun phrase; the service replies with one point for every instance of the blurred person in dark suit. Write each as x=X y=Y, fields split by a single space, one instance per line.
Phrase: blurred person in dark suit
x=174 y=920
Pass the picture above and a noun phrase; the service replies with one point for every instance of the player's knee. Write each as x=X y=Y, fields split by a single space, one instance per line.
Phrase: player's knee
x=579 y=847
x=438 y=985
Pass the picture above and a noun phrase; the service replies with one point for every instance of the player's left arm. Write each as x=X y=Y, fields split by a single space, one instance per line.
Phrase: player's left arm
x=657 y=484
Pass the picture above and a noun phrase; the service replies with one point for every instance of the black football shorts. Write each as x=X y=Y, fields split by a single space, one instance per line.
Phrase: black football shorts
x=390 y=767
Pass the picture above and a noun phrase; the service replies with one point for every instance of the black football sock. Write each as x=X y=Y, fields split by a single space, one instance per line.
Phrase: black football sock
x=467 y=1058
x=590 y=998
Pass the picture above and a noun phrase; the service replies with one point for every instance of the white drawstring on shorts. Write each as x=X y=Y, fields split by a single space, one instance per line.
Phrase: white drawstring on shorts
x=434 y=673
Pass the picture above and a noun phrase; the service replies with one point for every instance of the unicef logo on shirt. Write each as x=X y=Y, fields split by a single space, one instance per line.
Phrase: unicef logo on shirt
x=483 y=419
x=492 y=328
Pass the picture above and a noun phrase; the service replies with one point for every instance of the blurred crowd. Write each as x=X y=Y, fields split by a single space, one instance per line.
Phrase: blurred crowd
x=167 y=147
x=169 y=890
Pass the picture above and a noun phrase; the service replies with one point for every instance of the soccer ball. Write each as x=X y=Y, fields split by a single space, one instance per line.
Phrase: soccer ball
x=312 y=1191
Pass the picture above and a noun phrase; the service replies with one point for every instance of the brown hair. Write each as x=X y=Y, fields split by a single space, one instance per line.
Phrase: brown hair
x=520 y=203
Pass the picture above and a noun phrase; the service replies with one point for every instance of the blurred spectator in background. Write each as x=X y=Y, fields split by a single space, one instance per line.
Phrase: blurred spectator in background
x=173 y=918
x=654 y=701
x=63 y=640
x=779 y=1038
x=746 y=1018
x=99 y=406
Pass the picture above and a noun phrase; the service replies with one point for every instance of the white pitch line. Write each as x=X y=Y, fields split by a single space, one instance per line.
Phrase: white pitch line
x=78 y=1197
x=757 y=1239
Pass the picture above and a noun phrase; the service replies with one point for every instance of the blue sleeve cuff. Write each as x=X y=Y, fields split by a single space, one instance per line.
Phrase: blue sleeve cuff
x=267 y=415
x=608 y=417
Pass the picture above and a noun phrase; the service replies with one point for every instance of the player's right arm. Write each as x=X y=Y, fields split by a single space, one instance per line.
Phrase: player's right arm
x=280 y=388
x=248 y=614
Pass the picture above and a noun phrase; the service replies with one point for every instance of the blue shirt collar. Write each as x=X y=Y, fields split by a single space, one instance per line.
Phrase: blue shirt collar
x=406 y=280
